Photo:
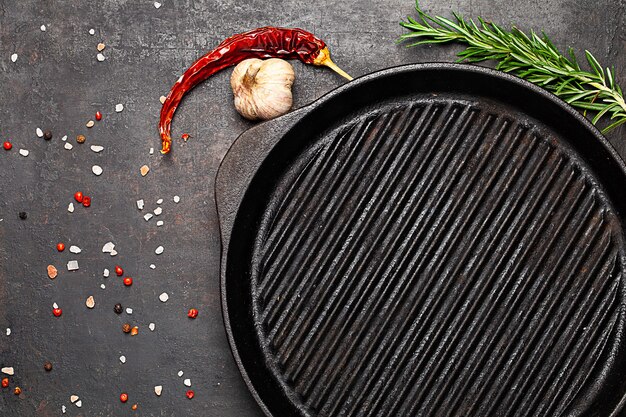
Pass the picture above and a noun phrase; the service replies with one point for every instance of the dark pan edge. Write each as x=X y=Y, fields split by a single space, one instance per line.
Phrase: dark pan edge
x=236 y=172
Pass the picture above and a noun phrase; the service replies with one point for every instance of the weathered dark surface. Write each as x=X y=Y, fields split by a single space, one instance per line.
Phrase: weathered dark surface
x=57 y=83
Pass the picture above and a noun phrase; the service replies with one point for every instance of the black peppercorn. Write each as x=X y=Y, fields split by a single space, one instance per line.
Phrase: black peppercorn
x=47 y=135
x=118 y=308
x=47 y=366
x=23 y=215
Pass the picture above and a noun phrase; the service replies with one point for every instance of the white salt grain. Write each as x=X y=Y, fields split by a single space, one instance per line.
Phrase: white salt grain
x=140 y=204
x=8 y=370
x=72 y=265
x=180 y=373
x=79 y=403
x=55 y=305
x=107 y=248
x=97 y=148
x=75 y=249
x=13 y=57
x=113 y=252
x=64 y=138
x=100 y=57
x=105 y=273
x=157 y=4
x=159 y=250
x=43 y=28
x=63 y=409
x=8 y=331
x=39 y=132
x=176 y=199
x=152 y=266
x=158 y=390
x=151 y=326
x=68 y=146
x=129 y=311
x=119 y=107
x=123 y=359
x=97 y=170
x=160 y=223
x=164 y=297
x=151 y=151
x=148 y=216
x=187 y=382
x=158 y=211
x=24 y=152
x=70 y=208
x=160 y=201
x=103 y=286
x=73 y=398
x=92 y=32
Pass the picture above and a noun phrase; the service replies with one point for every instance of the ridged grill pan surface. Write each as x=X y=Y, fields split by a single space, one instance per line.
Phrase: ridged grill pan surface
x=429 y=240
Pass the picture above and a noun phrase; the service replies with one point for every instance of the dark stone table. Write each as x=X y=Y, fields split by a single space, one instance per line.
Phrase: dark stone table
x=58 y=84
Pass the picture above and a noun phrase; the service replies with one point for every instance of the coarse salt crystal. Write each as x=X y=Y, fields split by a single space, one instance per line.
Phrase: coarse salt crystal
x=187 y=382
x=97 y=170
x=158 y=390
x=162 y=99
x=113 y=252
x=13 y=57
x=64 y=138
x=8 y=370
x=158 y=211
x=159 y=250
x=100 y=57
x=39 y=132
x=90 y=123
x=55 y=305
x=151 y=151
x=119 y=107
x=100 y=47
x=123 y=359
x=144 y=170
x=68 y=146
x=43 y=28
x=73 y=398
x=92 y=32
x=151 y=326
x=72 y=265
x=103 y=286
x=24 y=152
x=70 y=208
x=107 y=248
x=75 y=249
x=129 y=311
x=90 y=303
x=97 y=148
x=160 y=201
x=176 y=199
x=180 y=373
x=157 y=4
x=8 y=331
x=164 y=297
x=148 y=216
x=160 y=223
x=63 y=409
x=152 y=266
x=140 y=204
x=79 y=403
x=106 y=273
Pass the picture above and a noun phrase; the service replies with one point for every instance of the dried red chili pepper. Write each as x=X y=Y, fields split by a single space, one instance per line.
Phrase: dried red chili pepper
x=265 y=42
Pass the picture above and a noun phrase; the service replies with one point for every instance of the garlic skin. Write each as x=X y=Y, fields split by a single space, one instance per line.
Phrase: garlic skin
x=262 y=88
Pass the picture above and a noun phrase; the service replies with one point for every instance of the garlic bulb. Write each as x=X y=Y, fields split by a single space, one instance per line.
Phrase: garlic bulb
x=262 y=88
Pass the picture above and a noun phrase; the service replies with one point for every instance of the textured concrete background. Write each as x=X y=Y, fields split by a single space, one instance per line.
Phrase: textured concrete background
x=58 y=84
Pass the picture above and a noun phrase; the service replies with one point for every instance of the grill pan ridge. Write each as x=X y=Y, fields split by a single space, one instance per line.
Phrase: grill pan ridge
x=429 y=240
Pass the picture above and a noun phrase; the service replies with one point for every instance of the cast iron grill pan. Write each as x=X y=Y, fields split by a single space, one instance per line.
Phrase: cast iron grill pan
x=430 y=240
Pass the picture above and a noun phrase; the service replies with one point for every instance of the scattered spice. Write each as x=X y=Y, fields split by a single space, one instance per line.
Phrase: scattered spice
x=134 y=331
x=57 y=312
x=73 y=398
x=47 y=135
x=134 y=407
x=86 y=201
x=192 y=313
x=144 y=170
x=7 y=145
x=101 y=47
x=60 y=246
x=118 y=308
x=128 y=281
x=47 y=366
x=78 y=196
x=123 y=397
x=184 y=136
x=126 y=328
x=22 y=215
x=5 y=382
x=90 y=303
x=190 y=394
x=80 y=138
x=119 y=271
x=158 y=390
x=17 y=391
x=52 y=272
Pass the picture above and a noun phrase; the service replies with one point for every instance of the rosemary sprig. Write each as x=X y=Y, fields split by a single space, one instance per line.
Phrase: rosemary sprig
x=532 y=57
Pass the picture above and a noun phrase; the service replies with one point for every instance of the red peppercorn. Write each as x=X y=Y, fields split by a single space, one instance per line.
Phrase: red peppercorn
x=60 y=246
x=5 y=382
x=86 y=201
x=98 y=116
x=192 y=313
x=57 y=312
x=78 y=196
x=185 y=136
x=128 y=281
x=123 y=397
x=190 y=394
x=119 y=271
x=7 y=145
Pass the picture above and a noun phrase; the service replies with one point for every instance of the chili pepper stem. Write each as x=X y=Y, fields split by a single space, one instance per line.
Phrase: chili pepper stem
x=323 y=59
